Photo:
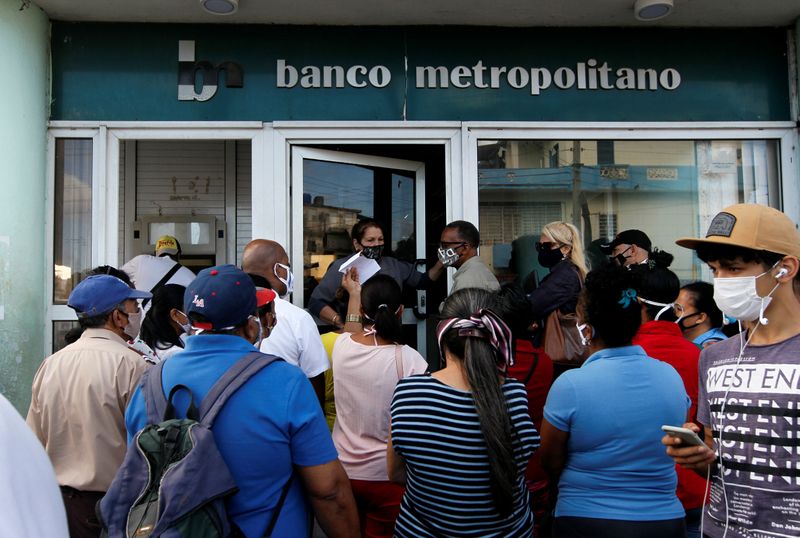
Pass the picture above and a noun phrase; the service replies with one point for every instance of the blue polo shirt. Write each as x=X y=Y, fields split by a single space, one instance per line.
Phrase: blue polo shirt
x=613 y=407
x=271 y=423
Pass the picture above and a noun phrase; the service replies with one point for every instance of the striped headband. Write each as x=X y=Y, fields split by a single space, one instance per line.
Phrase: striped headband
x=483 y=324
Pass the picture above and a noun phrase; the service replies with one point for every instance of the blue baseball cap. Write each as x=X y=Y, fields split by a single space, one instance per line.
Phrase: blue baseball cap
x=100 y=294
x=224 y=295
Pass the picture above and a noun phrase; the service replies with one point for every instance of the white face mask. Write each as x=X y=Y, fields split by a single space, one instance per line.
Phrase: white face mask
x=184 y=337
x=447 y=256
x=288 y=281
x=737 y=297
x=665 y=307
x=582 y=327
x=134 y=324
x=260 y=337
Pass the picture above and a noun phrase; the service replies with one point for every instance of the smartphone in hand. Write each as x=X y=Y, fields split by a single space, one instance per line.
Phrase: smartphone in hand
x=687 y=436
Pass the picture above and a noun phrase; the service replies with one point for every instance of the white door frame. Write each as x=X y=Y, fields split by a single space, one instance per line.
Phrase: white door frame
x=299 y=154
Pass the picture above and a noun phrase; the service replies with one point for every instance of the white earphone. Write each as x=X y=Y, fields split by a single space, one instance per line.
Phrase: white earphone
x=783 y=272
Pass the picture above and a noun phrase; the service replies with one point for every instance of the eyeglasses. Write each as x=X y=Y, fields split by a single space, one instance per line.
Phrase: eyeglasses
x=544 y=245
x=452 y=244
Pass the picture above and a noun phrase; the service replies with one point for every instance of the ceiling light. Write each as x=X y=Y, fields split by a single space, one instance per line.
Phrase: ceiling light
x=220 y=7
x=651 y=10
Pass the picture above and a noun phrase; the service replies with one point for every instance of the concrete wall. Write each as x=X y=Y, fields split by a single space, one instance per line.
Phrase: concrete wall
x=24 y=109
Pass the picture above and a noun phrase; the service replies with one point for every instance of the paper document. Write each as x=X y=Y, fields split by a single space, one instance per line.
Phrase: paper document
x=366 y=267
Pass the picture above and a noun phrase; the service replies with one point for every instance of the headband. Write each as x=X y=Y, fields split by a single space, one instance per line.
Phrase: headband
x=486 y=325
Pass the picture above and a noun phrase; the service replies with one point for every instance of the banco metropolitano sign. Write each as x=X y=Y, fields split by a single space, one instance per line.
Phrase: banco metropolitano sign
x=588 y=75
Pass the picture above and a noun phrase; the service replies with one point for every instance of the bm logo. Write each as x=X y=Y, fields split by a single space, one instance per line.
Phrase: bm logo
x=188 y=70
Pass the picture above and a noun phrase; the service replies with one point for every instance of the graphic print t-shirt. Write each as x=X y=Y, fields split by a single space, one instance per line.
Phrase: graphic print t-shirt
x=760 y=477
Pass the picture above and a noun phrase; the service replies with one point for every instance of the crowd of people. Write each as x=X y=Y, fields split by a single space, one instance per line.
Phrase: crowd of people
x=545 y=418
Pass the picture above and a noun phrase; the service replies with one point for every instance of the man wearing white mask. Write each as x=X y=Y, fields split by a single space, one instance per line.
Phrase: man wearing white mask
x=79 y=396
x=749 y=387
x=458 y=248
x=295 y=337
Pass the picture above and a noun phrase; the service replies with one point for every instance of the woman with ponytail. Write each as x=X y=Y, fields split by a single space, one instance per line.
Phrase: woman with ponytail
x=462 y=436
x=601 y=433
x=366 y=368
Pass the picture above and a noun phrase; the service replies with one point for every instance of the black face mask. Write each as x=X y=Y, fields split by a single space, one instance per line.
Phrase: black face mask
x=373 y=253
x=549 y=258
x=684 y=318
x=620 y=258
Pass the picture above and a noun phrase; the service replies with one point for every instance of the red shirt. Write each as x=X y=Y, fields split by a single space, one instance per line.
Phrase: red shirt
x=537 y=388
x=664 y=341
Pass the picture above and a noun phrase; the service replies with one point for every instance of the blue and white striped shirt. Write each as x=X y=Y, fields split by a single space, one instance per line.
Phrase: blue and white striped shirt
x=435 y=428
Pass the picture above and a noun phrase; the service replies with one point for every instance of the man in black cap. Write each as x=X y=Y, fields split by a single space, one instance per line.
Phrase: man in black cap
x=630 y=247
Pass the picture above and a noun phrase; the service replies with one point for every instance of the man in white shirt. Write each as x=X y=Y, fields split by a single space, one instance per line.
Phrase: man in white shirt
x=147 y=271
x=30 y=502
x=295 y=337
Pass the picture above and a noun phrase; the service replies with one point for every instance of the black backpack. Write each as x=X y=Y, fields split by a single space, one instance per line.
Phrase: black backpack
x=173 y=482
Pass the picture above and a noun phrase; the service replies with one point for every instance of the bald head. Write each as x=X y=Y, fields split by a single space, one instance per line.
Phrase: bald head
x=259 y=258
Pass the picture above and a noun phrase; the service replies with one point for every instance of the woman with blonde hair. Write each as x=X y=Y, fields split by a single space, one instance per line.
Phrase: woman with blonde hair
x=561 y=252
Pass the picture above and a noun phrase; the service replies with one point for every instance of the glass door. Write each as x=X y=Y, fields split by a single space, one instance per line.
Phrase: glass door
x=331 y=191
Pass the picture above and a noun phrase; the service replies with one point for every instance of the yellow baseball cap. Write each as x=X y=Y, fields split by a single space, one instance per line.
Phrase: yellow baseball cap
x=753 y=226
x=167 y=244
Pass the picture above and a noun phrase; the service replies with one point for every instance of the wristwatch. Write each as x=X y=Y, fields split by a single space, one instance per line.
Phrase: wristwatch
x=355 y=318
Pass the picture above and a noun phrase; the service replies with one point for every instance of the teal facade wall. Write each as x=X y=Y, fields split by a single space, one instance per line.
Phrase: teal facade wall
x=24 y=108
x=130 y=72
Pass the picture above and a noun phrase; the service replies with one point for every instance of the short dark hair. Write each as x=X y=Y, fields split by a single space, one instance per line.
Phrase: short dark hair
x=654 y=281
x=357 y=232
x=702 y=294
x=709 y=252
x=609 y=305
x=467 y=232
x=113 y=271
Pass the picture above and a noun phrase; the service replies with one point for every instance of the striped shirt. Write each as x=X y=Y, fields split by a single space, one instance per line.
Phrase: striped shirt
x=435 y=428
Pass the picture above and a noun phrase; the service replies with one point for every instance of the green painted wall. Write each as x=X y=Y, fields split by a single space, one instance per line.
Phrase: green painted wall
x=24 y=108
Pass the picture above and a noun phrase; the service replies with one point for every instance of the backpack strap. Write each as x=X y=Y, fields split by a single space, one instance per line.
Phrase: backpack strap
x=164 y=279
x=236 y=376
x=153 y=392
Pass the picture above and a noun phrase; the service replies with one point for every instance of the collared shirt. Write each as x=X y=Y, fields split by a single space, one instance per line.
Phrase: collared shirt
x=78 y=405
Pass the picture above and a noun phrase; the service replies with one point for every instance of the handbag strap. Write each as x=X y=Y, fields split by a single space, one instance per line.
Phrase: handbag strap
x=398 y=361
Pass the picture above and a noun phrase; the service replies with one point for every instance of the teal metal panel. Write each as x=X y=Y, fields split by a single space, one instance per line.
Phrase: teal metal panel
x=130 y=72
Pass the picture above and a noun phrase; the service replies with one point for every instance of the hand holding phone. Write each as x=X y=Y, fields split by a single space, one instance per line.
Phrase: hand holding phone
x=687 y=436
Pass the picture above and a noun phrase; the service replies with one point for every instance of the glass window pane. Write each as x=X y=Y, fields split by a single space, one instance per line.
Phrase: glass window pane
x=60 y=330
x=72 y=240
x=667 y=188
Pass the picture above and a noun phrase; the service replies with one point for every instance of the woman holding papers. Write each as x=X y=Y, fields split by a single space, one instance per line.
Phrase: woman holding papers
x=328 y=301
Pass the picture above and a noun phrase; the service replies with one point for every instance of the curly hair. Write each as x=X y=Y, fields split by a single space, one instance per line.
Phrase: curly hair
x=608 y=303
